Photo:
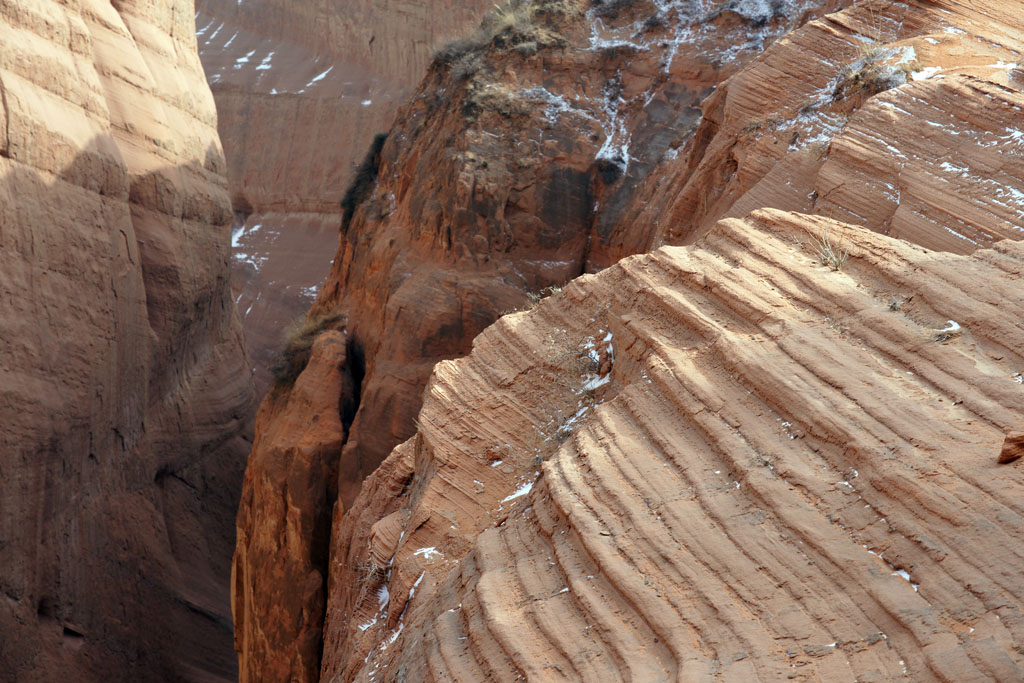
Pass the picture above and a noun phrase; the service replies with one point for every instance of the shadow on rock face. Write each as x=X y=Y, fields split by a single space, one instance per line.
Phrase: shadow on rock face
x=125 y=400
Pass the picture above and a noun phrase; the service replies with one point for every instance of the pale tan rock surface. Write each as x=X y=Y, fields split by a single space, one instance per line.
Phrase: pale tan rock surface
x=301 y=89
x=723 y=461
x=501 y=175
x=124 y=390
x=512 y=170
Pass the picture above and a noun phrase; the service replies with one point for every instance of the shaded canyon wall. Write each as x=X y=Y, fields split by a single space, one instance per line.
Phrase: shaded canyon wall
x=124 y=388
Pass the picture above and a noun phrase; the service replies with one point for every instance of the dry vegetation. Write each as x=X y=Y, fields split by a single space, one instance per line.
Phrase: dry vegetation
x=291 y=360
x=517 y=26
x=830 y=252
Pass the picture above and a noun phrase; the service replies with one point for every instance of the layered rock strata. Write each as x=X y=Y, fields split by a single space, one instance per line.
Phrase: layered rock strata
x=725 y=460
x=900 y=117
x=124 y=389
x=499 y=179
x=564 y=136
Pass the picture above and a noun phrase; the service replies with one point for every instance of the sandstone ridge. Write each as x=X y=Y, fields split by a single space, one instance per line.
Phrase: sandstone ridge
x=565 y=136
x=499 y=179
x=762 y=468
x=900 y=117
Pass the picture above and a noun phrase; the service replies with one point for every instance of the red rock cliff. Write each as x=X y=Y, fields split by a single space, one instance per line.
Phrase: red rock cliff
x=500 y=178
x=565 y=138
x=719 y=461
x=809 y=415
x=124 y=389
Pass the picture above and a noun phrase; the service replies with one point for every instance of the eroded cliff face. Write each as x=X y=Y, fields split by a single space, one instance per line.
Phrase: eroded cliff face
x=301 y=89
x=501 y=177
x=124 y=389
x=725 y=460
x=560 y=139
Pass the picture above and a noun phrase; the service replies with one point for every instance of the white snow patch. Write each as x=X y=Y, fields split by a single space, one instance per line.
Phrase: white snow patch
x=412 y=591
x=521 y=491
x=596 y=382
x=428 y=553
x=320 y=77
x=214 y=34
x=925 y=73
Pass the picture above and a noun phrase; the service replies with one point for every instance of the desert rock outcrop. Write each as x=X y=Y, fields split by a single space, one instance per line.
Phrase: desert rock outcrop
x=124 y=389
x=725 y=460
x=1013 y=447
x=901 y=117
x=565 y=136
x=499 y=179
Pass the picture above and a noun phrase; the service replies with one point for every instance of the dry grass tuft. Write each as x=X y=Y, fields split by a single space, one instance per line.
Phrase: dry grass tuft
x=291 y=360
x=829 y=252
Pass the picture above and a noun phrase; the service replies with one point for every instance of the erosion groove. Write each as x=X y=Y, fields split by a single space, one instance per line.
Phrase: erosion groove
x=769 y=473
x=808 y=386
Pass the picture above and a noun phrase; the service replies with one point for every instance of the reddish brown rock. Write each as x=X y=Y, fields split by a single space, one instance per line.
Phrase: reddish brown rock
x=1013 y=447
x=774 y=476
x=500 y=177
x=575 y=135
x=124 y=389
x=284 y=521
x=491 y=186
x=802 y=130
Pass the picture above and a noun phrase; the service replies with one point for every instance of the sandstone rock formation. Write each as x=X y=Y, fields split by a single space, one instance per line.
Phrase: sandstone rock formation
x=501 y=177
x=725 y=460
x=1013 y=447
x=565 y=136
x=301 y=88
x=498 y=179
x=290 y=478
x=124 y=390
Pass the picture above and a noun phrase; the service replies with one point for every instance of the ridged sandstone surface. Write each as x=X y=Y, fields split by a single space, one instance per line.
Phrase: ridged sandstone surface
x=575 y=134
x=719 y=461
x=124 y=389
x=497 y=180
x=301 y=89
